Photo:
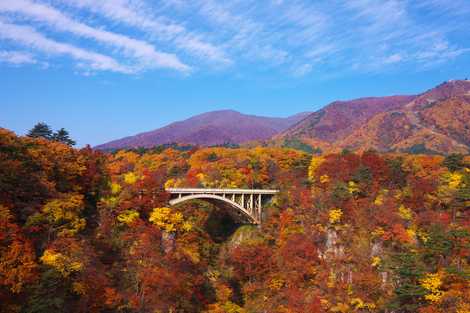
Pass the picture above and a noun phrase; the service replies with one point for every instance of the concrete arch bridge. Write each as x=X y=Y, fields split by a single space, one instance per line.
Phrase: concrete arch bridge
x=244 y=205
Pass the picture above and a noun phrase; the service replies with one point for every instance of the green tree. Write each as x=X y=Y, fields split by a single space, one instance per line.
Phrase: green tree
x=408 y=292
x=63 y=136
x=212 y=157
x=41 y=130
x=454 y=162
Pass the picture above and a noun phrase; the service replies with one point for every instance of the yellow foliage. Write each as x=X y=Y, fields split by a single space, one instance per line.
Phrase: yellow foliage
x=398 y=194
x=115 y=188
x=187 y=226
x=192 y=252
x=378 y=232
x=170 y=183
x=454 y=180
x=341 y=307
x=177 y=218
x=331 y=279
x=324 y=179
x=66 y=213
x=411 y=233
x=335 y=215
x=78 y=288
x=276 y=283
x=376 y=261
x=379 y=200
x=353 y=187
x=169 y=221
x=130 y=178
x=314 y=164
x=423 y=235
x=201 y=177
x=129 y=156
x=61 y=263
x=432 y=283
x=111 y=202
x=359 y=304
x=324 y=303
x=128 y=217
x=213 y=275
x=405 y=213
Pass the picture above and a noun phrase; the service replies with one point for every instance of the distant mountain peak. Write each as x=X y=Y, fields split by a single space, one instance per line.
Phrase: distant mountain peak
x=435 y=120
x=209 y=128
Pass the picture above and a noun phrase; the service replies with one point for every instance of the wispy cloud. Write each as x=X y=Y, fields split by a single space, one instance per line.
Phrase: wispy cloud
x=30 y=37
x=394 y=58
x=137 y=14
x=145 y=53
x=17 y=57
x=302 y=70
x=293 y=37
x=439 y=53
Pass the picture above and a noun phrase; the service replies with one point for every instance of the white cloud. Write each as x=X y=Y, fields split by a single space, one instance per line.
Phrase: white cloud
x=144 y=52
x=292 y=36
x=249 y=38
x=17 y=57
x=30 y=37
x=394 y=58
x=302 y=70
x=439 y=53
x=137 y=14
x=321 y=51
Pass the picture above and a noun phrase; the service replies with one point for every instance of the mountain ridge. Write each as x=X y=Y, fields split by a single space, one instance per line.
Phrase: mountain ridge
x=209 y=128
x=435 y=121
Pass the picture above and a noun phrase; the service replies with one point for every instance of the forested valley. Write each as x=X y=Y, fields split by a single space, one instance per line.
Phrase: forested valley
x=87 y=231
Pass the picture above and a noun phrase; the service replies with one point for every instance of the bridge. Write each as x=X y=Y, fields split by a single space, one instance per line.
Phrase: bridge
x=244 y=205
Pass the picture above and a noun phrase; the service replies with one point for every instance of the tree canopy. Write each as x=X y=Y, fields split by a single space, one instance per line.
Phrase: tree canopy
x=42 y=130
x=86 y=231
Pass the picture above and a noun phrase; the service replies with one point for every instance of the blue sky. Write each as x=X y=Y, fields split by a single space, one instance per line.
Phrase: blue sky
x=110 y=68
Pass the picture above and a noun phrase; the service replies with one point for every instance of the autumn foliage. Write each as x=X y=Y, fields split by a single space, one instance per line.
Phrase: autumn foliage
x=84 y=231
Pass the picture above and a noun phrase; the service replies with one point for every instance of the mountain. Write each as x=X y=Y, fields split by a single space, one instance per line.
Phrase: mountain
x=212 y=128
x=341 y=118
x=434 y=121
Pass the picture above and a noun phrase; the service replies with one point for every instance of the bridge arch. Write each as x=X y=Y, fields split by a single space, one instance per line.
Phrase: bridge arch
x=232 y=206
x=244 y=205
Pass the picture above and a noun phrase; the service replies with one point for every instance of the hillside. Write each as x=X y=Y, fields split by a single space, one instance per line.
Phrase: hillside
x=208 y=129
x=434 y=121
x=341 y=118
x=86 y=231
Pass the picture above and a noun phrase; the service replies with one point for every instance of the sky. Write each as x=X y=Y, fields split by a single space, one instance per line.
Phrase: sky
x=112 y=68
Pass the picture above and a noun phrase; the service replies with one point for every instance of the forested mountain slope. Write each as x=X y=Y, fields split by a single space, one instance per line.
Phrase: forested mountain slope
x=83 y=231
x=435 y=121
x=211 y=128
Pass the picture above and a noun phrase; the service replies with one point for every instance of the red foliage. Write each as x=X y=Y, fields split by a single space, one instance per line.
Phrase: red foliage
x=251 y=262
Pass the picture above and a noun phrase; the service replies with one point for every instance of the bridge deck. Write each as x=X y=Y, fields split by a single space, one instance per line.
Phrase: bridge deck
x=221 y=191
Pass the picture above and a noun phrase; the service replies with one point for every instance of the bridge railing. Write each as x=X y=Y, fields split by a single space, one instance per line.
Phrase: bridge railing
x=221 y=191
